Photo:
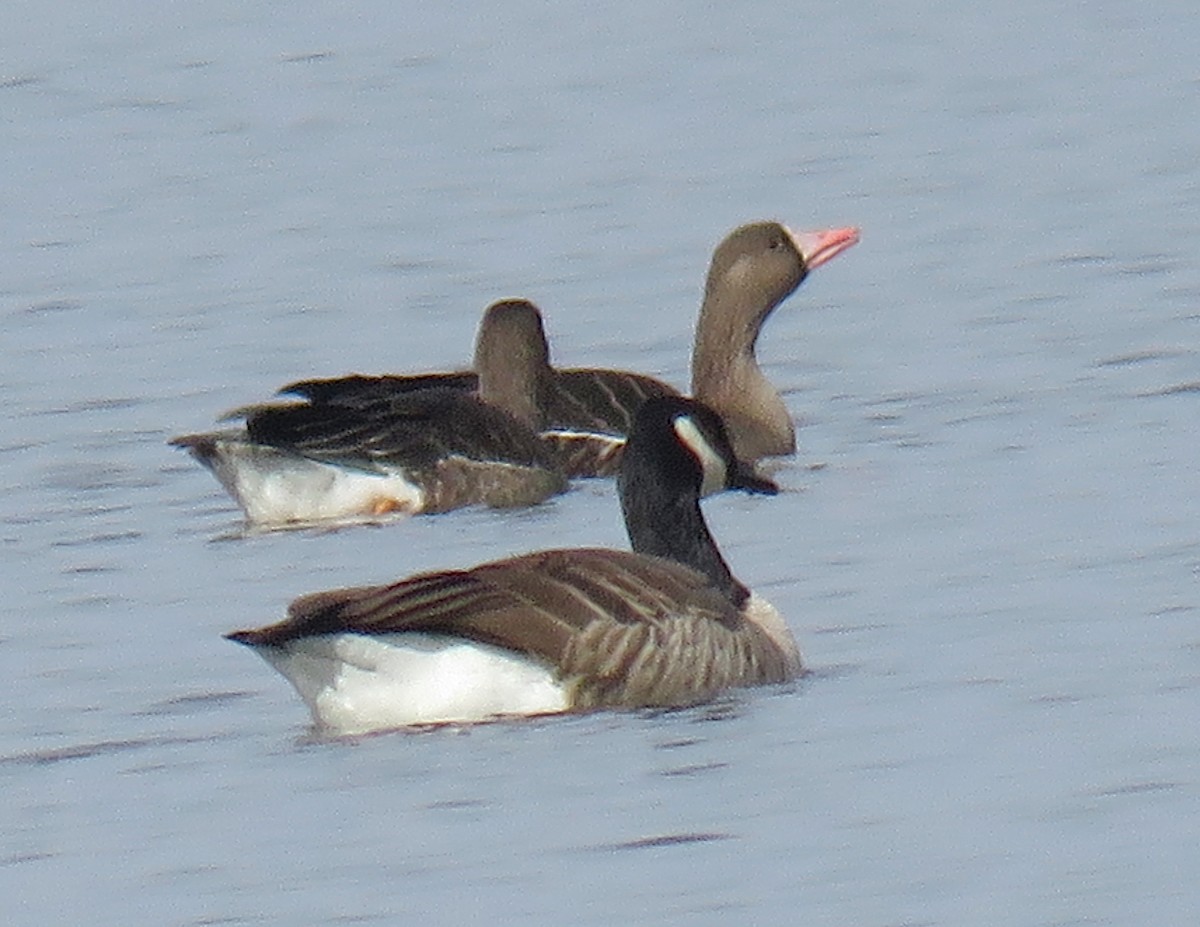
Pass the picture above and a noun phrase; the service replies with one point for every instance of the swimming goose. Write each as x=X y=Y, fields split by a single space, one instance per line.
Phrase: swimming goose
x=558 y=630
x=586 y=412
x=417 y=451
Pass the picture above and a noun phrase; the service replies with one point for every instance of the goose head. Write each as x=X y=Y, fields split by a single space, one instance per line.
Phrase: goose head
x=682 y=446
x=760 y=264
x=512 y=357
x=754 y=269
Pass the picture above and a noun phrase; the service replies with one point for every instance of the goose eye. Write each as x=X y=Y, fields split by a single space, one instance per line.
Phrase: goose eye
x=776 y=244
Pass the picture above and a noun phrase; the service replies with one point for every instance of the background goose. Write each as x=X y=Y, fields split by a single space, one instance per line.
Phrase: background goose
x=415 y=451
x=557 y=630
x=586 y=412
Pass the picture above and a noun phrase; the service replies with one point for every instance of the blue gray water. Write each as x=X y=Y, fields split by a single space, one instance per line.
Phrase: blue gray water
x=990 y=546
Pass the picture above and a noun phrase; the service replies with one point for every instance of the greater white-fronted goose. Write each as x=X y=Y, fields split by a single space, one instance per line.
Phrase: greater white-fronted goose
x=415 y=451
x=587 y=412
x=558 y=630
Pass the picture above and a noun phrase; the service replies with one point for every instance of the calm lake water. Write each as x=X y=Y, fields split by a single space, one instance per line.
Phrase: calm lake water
x=989 y=550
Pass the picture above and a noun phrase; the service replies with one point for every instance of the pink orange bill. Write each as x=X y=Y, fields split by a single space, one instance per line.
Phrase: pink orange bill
x=822 y=246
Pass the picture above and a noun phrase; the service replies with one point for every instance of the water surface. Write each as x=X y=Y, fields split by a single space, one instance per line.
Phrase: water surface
x=988 y=549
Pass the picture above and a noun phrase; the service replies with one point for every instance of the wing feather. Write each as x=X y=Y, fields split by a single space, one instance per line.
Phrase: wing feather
x=415 y=429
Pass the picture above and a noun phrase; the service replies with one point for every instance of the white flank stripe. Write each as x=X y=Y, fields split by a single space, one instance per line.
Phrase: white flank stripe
x=597 y=437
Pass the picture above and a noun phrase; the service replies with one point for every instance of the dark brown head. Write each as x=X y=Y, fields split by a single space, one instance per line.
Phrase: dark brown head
x=511 y=357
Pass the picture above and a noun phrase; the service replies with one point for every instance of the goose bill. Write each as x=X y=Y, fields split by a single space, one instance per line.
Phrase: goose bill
x=820 y=247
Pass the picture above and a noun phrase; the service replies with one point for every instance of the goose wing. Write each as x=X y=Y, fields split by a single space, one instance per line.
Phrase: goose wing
x=587 y=413
x=598 y=399
x=585 y=399
x=356 y=390
x=416 y=428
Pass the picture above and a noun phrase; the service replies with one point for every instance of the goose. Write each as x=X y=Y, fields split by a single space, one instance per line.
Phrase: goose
x=425 y=450
x=564 y=630
x=585 y=413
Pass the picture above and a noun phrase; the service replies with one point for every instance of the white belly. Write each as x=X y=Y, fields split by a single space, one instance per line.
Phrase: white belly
x=355 y=683
x=275 y=489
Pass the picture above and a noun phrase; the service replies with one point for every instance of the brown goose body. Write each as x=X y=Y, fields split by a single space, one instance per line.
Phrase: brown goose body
x=559 y=630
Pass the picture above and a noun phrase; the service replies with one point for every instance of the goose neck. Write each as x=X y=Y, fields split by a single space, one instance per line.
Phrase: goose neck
x=671 y=526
